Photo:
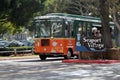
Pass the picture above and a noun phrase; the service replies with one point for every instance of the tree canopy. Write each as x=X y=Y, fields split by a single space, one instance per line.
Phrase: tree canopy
x=16 y=13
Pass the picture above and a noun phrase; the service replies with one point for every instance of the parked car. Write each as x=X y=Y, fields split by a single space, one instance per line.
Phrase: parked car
x=27 y=43
x=3 y=44
x=15 y=43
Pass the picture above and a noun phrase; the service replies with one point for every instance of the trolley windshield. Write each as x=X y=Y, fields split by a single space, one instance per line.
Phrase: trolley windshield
x=49 y=28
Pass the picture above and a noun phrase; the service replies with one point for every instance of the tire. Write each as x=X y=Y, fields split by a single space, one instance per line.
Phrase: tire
x=69 y=54
x=42 y=57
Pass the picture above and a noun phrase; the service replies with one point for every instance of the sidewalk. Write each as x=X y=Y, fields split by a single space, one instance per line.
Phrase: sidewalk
x=18 y=57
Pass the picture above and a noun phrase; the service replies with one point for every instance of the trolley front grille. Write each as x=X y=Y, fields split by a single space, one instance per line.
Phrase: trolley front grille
x=45 y=42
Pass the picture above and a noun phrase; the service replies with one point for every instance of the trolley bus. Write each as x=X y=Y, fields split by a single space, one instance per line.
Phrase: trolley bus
x=56 y=34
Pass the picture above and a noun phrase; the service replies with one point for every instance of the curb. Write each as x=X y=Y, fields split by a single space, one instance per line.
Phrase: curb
x=18 y=58
x=91 y=61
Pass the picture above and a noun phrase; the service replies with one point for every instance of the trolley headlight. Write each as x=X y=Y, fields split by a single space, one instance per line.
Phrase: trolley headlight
x=54 y=43
x=45 y=49
x=61 y=44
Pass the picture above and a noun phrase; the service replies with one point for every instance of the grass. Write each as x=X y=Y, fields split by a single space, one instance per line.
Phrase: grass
x=118 y=47
x=21 y=47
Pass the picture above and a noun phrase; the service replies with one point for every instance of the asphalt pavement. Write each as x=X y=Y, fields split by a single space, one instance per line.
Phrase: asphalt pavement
x=54 y=69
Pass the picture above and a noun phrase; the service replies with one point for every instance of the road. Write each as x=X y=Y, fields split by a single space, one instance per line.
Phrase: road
x=54 y=69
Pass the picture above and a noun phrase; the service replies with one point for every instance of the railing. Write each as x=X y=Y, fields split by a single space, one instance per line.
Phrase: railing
x=16 y=51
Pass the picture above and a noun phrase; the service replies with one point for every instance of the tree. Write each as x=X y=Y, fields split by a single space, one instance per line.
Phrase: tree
x=5 y=24
x=83 y=7
x=52 y=6
x=104 y=11
x=17 y=13
x=22 y=11
x=115 y=16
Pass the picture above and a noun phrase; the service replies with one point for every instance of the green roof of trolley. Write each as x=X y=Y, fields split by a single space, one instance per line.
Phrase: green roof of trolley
x=71 y=17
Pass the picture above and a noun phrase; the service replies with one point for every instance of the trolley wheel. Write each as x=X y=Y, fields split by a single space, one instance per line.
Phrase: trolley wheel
x=69 y=54
x=42 y=57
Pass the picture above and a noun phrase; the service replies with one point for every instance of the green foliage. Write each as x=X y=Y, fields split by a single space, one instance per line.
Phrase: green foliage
x=16 y=13
x=23 y=10
x=21 y=47
x=83 y=7
x=5 y=27
x=52 y=6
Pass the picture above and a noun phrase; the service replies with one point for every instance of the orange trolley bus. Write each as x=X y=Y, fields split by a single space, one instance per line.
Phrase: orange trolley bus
x=56 y=34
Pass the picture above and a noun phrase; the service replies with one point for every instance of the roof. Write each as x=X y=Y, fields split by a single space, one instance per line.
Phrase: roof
x=71 y=17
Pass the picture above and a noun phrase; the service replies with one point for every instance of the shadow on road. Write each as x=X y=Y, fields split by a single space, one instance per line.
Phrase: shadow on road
x=47 y=60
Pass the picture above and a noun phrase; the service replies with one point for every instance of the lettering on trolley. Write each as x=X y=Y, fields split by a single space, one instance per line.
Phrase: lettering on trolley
x=56 y=27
